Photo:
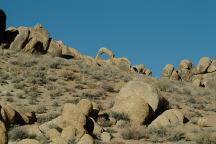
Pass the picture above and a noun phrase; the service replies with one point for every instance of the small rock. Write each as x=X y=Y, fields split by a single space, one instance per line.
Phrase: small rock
x=86 y=139
x=106 y=137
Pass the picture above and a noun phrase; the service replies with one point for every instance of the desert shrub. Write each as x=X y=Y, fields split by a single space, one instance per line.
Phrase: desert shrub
x=205 y=138
x=68 y=75
x=18 y=134
x=25 y=60
x=41 y=109
x=55 y=63
x=133 y=133
x=10 y=99
x=45 y=118
x=4 y=76
x=20 y=85
x=95 y=94
x=37 y=77
x=55 y=104
x=164 y=134
x=120 y=116
x=108 y=88
x=20 y=95
x=52 y=78
x=164 y=85
x=56 y=93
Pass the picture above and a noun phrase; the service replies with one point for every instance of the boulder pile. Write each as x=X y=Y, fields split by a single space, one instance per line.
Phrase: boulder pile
x=144 y=105
x=197 y=75
x=10 y=116
x=78 y=123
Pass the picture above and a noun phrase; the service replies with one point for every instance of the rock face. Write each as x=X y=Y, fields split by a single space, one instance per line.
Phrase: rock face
x=203 y=65
x=167 y=71
x=137 y=99
x=169 y=117
x=33 y=40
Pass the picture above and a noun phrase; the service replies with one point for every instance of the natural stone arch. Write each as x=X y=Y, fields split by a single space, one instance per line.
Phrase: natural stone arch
x=101 y=51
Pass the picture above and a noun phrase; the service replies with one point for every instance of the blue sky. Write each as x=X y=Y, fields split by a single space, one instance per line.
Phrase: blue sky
x=153 y=32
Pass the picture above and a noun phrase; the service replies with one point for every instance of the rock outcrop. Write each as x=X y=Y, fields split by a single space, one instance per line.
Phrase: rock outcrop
x=78 y=123
x=199 y=75
x=10 y=116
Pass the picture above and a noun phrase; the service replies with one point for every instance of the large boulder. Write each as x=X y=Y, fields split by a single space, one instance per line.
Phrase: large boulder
x=212 y=67
x=137 y=99
x=185 y=64
x=21 y=39
x=167 y=71
x=38 y=40
x=203 y=65
x=73 y=117
x=85 y=106
x=167 y=118
x=55 y=49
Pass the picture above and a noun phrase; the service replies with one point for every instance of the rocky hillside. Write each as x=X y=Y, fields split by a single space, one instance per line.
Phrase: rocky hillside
x=50 y=93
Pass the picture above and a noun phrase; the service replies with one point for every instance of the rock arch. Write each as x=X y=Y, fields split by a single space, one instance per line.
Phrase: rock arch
x=101 y=51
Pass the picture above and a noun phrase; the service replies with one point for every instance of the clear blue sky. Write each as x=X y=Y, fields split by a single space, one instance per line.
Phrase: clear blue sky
x=152 y=32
